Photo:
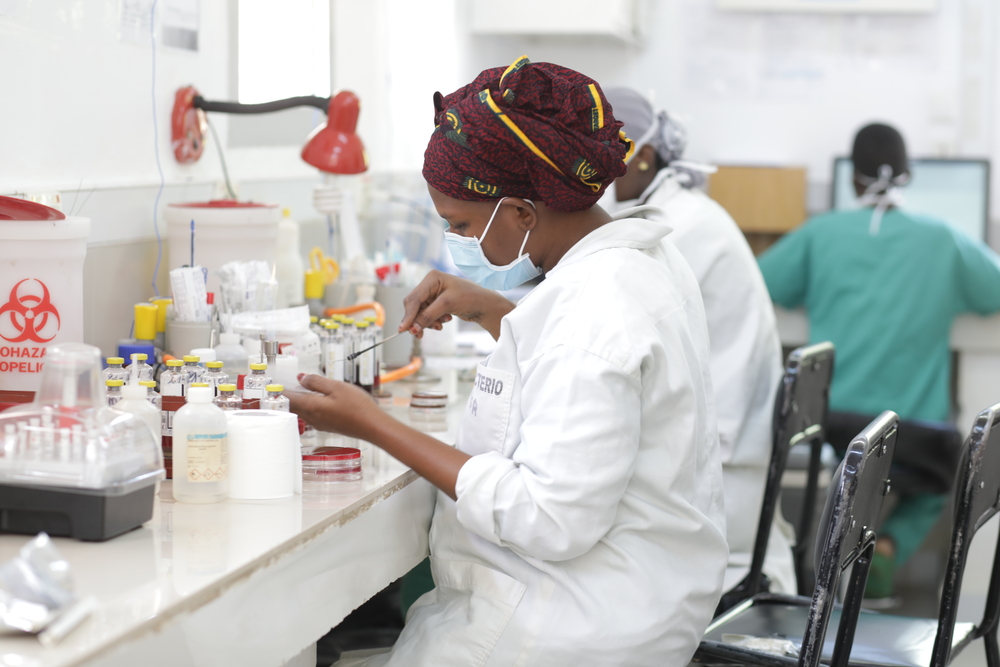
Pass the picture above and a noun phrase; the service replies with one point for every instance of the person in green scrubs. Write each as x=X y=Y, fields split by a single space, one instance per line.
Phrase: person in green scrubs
x=885 y=285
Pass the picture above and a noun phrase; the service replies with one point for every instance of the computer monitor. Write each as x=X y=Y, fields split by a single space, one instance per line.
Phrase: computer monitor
x=956 y=191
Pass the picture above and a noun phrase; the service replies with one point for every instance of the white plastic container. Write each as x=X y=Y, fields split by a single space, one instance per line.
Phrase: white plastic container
x=234 y=357
x=135 y=400
x=225 y=231
x=41 y=287
x=291 y=268
x=201 y=450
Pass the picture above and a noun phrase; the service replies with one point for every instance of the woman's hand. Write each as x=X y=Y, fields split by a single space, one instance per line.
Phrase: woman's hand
x=439 y=296
x=339 y=407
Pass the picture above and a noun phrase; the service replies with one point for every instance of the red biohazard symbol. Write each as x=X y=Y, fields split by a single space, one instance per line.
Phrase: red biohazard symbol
x=28 y=316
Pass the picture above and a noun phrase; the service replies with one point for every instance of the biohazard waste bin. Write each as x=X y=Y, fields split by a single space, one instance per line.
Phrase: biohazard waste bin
x=41 y=287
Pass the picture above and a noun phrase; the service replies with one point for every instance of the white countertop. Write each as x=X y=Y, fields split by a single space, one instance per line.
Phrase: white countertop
x=238 y=582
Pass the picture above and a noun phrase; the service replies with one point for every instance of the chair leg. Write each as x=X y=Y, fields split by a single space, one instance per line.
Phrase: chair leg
x=992 y=651
x=851 y=609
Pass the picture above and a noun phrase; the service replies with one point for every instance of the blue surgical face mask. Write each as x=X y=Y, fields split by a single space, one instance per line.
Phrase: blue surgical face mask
x=468 y=256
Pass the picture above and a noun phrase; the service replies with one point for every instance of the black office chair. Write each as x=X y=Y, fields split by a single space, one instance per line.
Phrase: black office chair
x=846 y=538
x=885 y=639
x=799 y=414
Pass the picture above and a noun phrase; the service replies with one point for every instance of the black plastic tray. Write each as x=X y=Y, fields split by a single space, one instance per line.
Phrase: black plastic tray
x=63 y=512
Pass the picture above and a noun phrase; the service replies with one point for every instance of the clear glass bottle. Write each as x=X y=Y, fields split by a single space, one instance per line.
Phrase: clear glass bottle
x=364 y=364
x=145 y=370
x=314 y=324
x=200 y=450
x=350 y=333
x=114 y=391
x=275 y=400
x=335 y=355
x=255 y=384
x=227 y=398
x=214 y=376
x=115 y=370
x=194 y=370
x=172 y=380
x=151 y=394
x=377 y=334
x=324 y=337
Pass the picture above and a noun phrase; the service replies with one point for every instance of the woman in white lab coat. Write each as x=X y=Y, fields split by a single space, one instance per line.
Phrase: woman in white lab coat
x=745 y=349
x=579 y=520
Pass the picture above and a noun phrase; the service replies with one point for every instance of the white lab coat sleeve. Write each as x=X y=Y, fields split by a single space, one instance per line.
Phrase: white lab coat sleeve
x=557 y=494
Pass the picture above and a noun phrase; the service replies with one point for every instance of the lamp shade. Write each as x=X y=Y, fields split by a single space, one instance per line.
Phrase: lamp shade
x=335 y=147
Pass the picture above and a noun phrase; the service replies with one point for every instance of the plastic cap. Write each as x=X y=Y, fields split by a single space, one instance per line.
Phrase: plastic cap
x=191 y=359
x=114 y=383
x=134 y=392
x=174 y=363
x=115 y=360
x=286 y=213
x=148 y=383
x=214 y=364
x=161 y=313
x=348 y=320
x=145 y=320
x=198 y=394
x=229 y=339
x=332 y=325
x=258 y=367
x=371 y=319
x=139 y=356
x=363 y=325
x=199 y=384
x=227 y=387
x=313 y=319
x=275 y=387
x=314 y=285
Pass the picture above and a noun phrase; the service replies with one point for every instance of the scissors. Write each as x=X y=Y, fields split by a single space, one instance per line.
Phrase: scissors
x=325 y=265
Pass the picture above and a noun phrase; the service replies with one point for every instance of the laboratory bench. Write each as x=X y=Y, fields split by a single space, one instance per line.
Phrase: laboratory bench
x=241 y=582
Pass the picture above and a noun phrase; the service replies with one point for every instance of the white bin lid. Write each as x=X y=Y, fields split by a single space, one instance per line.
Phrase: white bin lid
x=223 y=212
x=23 y=220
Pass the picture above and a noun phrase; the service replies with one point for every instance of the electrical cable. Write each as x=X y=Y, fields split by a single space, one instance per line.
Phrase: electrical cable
x=320 y=103
x=222 y=159
x=156 y=149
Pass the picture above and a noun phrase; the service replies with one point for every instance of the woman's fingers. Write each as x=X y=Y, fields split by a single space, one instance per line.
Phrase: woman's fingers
x=317 y=383
x=428 y=290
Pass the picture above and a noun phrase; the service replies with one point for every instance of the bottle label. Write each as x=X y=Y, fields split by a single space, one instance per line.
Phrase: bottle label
x=172 y=389
x=167 y=423
x=335 y=361
x=366 y=369
x=207 y=457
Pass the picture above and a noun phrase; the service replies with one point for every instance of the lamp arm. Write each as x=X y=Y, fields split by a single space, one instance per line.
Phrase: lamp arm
x=264 y=107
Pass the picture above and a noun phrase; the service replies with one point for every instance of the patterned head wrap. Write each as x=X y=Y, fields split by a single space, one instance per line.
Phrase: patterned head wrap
x=533 y=130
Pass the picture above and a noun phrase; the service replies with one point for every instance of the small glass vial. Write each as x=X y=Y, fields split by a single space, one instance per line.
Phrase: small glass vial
x=330 y=465
x=227 y=398
x=151 y=394
x=194 y=370
x=145 y=370
x=314 y=324
x=335 y=355
x=115 y=370
x=364 y=364
x=275 y=400
x=429 y=411
x=377 y=334
x=114 y=391
x=172 y=380
x=214 y=376
x=255 y=384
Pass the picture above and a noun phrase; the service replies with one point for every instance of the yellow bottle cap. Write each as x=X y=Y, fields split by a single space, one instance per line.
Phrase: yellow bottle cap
x=115 y=360
x=141 y=356
x=174 y=363
x=330 y=324
x=371 y=319
x=314 y=285
x=161 y=313
x=313 y=319
x=227 y=387
x=286 y=213
x=275 y=387
x=191 y=359
x=147 y=383
x=258 y=367
x=363 y=325
x=145 y=321
x=348 y=320
x=114 y=383
x=214 y=364
x=199 y=384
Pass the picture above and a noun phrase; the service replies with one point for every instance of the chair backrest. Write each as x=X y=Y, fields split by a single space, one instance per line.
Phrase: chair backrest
x=799 y=415
x=846 y=537
x=977 y=500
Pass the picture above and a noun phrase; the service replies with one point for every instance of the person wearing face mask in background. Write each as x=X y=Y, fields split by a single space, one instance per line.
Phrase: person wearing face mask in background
x=579 y=519
x=885 y=285
x=745 y=348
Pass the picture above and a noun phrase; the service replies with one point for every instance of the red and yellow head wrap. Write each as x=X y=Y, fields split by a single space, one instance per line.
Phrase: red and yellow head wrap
x=533 y=130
